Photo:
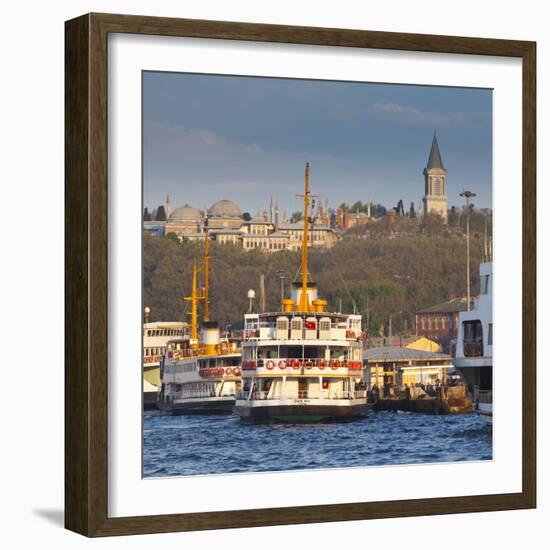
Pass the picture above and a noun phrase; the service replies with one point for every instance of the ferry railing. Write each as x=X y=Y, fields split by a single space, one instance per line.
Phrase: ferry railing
x=485 y=396
x=473 y=347
x=302 y=394
x=290 y=365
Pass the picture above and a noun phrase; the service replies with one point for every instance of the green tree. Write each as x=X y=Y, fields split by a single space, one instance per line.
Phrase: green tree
x=296 y=217
x=161 y=214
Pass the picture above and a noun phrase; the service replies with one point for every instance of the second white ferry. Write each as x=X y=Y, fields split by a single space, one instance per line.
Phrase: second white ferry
x=302 y=364
x=200 y=375
x=474 y=347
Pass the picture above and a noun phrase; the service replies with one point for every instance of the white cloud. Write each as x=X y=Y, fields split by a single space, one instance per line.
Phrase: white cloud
x=410 y=115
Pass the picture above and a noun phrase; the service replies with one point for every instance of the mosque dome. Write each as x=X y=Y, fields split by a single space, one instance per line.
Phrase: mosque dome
x=184 y=214
x=224 y=209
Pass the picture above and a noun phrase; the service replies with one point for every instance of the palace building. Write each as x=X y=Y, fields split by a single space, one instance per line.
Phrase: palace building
x=224 y=223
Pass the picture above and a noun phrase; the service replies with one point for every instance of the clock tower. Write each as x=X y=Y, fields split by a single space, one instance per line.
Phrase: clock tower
x=435 y=193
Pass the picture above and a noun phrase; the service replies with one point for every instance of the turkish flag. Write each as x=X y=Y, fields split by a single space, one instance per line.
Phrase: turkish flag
x=310 y=325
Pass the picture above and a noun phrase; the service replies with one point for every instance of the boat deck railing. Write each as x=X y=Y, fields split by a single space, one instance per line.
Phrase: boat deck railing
x=302 y=394
x=484 y=396
x=473 y=347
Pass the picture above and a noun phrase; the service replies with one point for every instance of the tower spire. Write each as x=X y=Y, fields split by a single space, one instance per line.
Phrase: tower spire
x=434 y=160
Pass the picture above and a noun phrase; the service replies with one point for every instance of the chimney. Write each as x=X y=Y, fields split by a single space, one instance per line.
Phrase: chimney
x=339 y=218
x=346 y=217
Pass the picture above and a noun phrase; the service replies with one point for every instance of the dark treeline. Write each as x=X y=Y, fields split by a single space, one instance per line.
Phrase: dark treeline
x=374 y=276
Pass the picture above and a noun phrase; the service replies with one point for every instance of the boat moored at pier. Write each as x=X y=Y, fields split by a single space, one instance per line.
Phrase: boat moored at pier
x=200 y=373
x=474 y=348
x=302 y=364
x=156 y=335
x=200 y=378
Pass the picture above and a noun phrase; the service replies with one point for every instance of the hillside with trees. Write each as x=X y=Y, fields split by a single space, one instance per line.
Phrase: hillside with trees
x=371 y=274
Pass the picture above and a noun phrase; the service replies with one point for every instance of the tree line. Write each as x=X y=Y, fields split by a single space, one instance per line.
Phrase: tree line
x=373 y=275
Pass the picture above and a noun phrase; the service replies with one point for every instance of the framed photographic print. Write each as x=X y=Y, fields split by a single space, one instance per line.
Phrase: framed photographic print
x=300 y=275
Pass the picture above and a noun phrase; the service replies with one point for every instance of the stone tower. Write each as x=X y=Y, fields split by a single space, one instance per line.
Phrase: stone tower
x=168 y=206
x=435 y=192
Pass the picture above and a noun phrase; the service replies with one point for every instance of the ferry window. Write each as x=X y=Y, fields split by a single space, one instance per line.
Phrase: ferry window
x=436 y=323
x=485 y=284
x=490 y=335
x=443 y=322
x=423 y=321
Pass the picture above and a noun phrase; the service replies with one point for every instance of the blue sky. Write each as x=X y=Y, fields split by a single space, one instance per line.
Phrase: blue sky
x=208 y=137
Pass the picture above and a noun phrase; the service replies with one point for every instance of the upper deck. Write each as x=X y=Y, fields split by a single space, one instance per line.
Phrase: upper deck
x=309 y=328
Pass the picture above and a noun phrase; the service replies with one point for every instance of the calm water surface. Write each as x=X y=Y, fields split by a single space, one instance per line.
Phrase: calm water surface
x=186 y=445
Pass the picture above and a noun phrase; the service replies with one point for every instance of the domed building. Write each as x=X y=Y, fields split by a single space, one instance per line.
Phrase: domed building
x=224 y=214
x=185 y=219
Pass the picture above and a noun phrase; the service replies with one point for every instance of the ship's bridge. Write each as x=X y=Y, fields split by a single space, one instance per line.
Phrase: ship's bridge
x=308 y=327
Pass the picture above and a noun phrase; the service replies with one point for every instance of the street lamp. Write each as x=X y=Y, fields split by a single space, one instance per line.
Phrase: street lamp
x=468 y=195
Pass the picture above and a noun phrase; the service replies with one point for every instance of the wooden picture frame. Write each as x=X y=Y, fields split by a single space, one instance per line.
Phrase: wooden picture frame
x=86 y=280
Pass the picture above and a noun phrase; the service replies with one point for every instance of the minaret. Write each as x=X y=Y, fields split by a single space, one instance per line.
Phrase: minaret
x=435 y=193
x=168 y=206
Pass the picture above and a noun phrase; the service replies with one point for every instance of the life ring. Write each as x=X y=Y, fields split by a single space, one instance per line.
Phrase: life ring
x=296 y=364
x=270 y=365
x=322 y=364
x=334 y=364
x=282 y=364
x=309 y=364
x=228 y=370
x=236 y=371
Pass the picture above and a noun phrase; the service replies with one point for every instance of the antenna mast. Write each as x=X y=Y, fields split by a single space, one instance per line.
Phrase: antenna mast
x=206 y=273
x=304 y=298
x=194 y=299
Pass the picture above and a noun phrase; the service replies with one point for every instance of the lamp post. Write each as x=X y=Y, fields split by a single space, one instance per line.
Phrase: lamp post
x=468 y=195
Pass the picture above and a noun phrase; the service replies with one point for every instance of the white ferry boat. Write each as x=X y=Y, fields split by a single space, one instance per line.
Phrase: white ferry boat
x=200 y=375
x=474 y=348
x=302 y=364
x=155 y=338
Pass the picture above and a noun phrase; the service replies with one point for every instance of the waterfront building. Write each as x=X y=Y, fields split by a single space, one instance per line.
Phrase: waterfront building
x=396 y=366
x=440 y=322
x=435 y=192
x=425 y=344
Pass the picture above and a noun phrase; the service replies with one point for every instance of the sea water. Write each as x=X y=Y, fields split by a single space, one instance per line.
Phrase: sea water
x=191 y=445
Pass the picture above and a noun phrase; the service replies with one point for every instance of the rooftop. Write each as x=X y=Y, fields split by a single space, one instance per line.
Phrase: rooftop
x=392 y=353
x=451 y=306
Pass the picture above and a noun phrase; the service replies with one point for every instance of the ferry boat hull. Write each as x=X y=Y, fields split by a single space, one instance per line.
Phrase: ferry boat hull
x=210 y=405
x=298 y=412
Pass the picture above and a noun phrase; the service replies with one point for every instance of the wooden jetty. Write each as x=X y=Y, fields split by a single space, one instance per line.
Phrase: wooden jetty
x=427 y=400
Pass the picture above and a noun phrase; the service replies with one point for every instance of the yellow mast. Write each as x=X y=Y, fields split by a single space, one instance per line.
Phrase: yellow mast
x=206 y=258
x=304 y=299
x=194 y=299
